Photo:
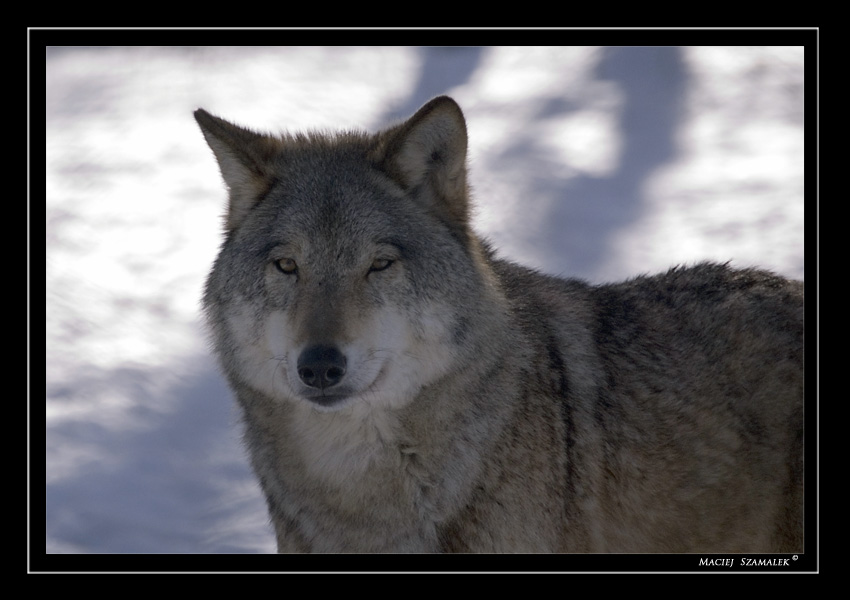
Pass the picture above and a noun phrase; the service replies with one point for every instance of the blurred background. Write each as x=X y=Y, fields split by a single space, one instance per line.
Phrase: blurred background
x=590 y=162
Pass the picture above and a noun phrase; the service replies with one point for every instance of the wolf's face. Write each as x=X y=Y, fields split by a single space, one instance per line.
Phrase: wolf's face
x=337 y=286
x=349 y=273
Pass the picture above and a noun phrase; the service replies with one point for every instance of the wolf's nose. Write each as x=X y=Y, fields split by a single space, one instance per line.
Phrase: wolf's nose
x=321 y=366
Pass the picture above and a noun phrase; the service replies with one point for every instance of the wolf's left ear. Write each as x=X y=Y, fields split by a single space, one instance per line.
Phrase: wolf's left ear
x=427 y=156
x=246 y=161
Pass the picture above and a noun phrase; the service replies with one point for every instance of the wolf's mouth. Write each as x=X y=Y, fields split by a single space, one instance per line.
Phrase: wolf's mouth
x=328 y=399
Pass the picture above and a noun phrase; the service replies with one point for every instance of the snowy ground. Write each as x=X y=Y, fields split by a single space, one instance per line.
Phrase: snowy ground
x=599 y=163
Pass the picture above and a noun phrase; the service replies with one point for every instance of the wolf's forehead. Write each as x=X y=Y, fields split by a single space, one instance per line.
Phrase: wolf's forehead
x=328 y=180
x=336 y=210
x=339 y=222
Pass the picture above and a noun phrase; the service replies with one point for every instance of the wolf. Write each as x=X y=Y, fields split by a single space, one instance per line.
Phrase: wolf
x=404 y=389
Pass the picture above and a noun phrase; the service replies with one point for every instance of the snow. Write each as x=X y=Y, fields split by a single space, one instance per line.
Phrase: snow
x=598 y=163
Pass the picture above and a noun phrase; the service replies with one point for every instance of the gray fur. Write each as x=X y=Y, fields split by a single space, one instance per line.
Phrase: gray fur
x=404 y=390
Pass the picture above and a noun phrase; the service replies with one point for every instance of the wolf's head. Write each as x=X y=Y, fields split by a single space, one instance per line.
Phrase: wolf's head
x=349 y=272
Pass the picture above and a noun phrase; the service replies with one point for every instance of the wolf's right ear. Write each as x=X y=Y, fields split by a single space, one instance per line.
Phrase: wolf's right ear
x=245 y=159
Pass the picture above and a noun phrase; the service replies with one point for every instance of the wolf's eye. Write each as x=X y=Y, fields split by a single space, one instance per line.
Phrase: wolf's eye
x=286 y=265
x=379 y=264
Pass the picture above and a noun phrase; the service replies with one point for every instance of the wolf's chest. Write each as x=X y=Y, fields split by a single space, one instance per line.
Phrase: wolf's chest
x=346 y=450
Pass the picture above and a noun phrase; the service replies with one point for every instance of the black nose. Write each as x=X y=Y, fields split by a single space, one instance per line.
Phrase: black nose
x=321 y=366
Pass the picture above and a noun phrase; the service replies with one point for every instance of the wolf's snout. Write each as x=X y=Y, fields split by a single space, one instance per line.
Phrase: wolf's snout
x=321 y=366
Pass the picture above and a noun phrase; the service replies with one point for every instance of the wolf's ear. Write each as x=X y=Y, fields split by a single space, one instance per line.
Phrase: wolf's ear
x=245 y=159
x=427 y=156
